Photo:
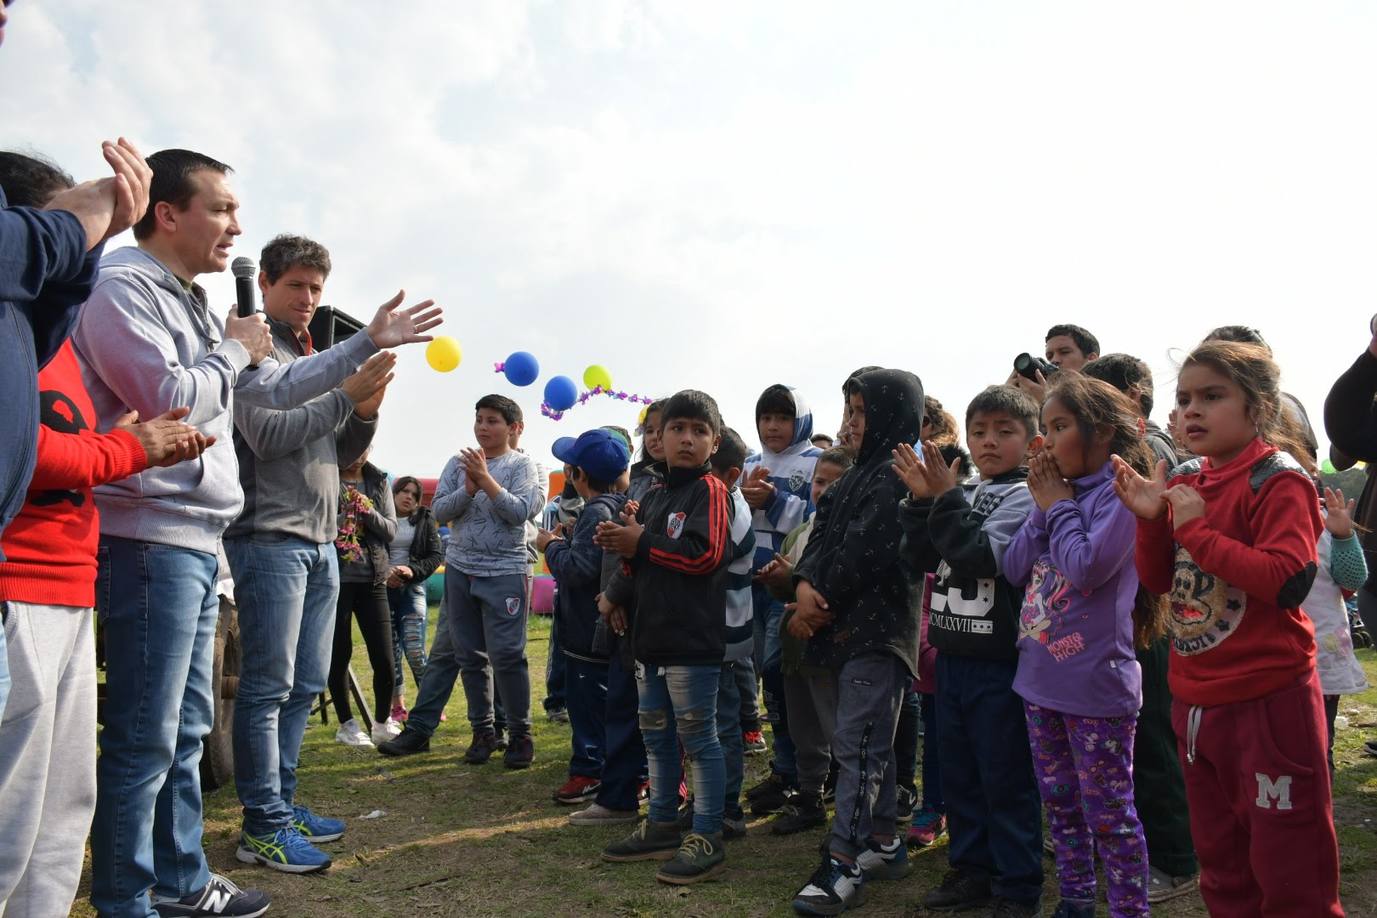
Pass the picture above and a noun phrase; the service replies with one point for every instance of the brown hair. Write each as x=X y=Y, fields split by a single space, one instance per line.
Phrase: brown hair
x=1252 y=369
x=1100 y=408
x=944 y=431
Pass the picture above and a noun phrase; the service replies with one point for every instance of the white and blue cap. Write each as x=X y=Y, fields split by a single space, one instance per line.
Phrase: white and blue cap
x=600 y=453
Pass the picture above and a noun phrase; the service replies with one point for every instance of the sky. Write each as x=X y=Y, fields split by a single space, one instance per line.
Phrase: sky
x=724 y=196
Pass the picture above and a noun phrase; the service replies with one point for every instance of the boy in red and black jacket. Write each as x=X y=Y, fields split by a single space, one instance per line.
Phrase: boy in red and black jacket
x=673 y=581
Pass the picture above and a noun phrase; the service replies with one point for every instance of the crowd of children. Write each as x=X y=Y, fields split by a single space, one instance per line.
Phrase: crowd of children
x=1023 y=613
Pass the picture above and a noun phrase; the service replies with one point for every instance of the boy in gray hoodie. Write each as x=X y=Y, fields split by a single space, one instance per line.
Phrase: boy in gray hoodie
x=148 y=341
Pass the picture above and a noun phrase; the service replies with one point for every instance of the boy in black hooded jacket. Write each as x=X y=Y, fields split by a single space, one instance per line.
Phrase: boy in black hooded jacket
x=858 y=605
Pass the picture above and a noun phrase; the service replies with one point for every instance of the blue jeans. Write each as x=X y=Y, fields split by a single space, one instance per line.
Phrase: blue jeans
x=679 y=705
x=993 y=805
x=487 y=619
x=624 y=763
x=285 y=588
x=586 y=700
x=729 y=734
x=556 y=669
x=410 y=618
x=442 y=671
x=769 y=612
x=159 y=609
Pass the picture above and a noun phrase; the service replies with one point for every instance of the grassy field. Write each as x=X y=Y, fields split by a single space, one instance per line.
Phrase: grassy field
x=462 y=840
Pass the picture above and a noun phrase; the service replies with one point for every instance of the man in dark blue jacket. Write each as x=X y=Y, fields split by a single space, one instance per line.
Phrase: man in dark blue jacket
x=48 y=261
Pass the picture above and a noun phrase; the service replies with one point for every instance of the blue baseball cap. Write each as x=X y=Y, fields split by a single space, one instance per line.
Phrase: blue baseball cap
x=600 y=453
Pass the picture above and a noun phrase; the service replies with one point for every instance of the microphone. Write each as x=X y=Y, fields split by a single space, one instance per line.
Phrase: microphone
x=244 y=273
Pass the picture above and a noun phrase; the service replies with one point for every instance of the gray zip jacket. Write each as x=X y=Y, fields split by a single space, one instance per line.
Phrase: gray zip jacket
x=147 y=343
x=289 y=461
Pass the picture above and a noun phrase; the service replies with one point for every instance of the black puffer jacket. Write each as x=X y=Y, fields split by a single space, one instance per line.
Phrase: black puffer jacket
x=853 y=557
x=426 y=551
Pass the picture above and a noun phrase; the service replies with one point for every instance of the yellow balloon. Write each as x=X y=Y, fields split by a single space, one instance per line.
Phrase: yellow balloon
x=443 y=354
x=640 y=418
x=597 y=376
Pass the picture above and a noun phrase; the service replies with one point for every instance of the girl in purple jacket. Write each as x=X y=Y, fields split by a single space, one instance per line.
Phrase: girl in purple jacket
x=1077 y=673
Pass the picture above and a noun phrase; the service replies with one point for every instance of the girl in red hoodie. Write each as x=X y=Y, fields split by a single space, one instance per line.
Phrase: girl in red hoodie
x=1230 y=538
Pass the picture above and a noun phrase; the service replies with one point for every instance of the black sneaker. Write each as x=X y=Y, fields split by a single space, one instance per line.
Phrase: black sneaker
x=733 y=826
x=770 y=795
x=803 y=812
x=1008 y=908
x=904 y=802
x=219 y=898
x=832 y=889
x=520 y=753
x=408 y=742
x=481 y=749
x=958 y=892
x=698 y=858
x=649 y=841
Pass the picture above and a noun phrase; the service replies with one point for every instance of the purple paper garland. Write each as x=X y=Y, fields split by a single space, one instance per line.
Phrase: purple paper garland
x=620 y=395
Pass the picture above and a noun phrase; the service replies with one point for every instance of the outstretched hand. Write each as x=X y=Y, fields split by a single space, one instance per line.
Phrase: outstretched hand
x=1338 y=513
x=392 y=327
x=928 y=475
x=1146 y=497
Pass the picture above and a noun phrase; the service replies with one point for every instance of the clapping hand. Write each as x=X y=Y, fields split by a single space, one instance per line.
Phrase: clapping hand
x=757 y=488
x=619 y=538
x=928 y=475
x=1045 y=481
x=1144 y=496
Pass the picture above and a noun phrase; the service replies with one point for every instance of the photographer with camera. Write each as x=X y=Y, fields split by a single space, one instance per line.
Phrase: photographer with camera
x=1068 y=347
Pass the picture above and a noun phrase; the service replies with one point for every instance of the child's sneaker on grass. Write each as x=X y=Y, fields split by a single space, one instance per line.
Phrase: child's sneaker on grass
x=409 y=742
x=316 y=829
x=884 y=862
x=904 y=802
x=1162 y=886
x=483 y=745
x=577 y=789
x=351 y=734
x=599 y=815
x=285 y=850
x=753 y=742
x=734 y=825
x=802 y=812
x=832 y=889
x=385 y=730
x=928 y=826
x=650 y=841
x=520 y=753
x=698 y=858
x=770 y=795
x=220 y=898
x=959 y=891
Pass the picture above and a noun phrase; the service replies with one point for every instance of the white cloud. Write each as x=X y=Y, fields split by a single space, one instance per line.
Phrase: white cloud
x=725 y=195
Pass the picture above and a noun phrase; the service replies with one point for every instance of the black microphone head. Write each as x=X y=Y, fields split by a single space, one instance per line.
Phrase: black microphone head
x=244 y=266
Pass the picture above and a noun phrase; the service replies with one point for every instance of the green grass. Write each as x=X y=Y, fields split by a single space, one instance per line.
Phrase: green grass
x=463 y=840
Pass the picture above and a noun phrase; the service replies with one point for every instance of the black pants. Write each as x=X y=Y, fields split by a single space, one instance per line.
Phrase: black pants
x=1159 y=788
x=368 y=603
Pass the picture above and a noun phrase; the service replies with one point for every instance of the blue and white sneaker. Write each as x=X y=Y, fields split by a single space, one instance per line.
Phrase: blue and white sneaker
x=285 y=850
x=884 y=862
x=316 y=829
x=220 y=899
x=832 y=889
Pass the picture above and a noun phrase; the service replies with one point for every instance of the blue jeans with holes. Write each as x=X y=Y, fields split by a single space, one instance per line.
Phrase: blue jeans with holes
x=410 y=618
x=158 y=608
x=285 y=588
x=679 y=705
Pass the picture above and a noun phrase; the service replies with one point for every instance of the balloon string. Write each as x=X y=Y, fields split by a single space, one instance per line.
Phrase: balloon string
x=555 y=414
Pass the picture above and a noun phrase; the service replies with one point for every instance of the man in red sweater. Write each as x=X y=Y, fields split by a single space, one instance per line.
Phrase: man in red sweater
x=47 y=584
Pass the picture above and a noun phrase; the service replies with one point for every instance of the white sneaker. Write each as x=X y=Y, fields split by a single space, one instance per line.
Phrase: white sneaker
x=350 y=735
x=384 y=731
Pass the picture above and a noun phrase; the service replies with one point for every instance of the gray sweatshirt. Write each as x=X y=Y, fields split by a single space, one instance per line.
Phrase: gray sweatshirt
x=487 y=536
x=149 y=344
x=289 y=461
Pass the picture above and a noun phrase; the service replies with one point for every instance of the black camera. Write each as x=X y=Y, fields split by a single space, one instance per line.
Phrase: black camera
x=1027 y=366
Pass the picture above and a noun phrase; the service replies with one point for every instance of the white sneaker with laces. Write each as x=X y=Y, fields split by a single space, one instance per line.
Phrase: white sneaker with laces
x=350 y=734
x=385 y=730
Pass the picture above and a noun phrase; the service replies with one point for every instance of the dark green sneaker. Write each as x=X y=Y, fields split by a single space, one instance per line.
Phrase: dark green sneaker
x=698 y=858
x=650 y=841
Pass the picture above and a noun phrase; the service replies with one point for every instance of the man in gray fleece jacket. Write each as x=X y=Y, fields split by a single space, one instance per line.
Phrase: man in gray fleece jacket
x=286 y=572
x=148 y=341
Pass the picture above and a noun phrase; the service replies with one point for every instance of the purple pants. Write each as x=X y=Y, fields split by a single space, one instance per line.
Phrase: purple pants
x=1084 y=767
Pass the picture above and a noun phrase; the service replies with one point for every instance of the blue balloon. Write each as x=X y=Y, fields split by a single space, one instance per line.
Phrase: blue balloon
x=521 y=369
x=561 y=393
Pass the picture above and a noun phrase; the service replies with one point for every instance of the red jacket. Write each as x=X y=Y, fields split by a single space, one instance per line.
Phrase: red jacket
x=1236 y=577
x=50 y=548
